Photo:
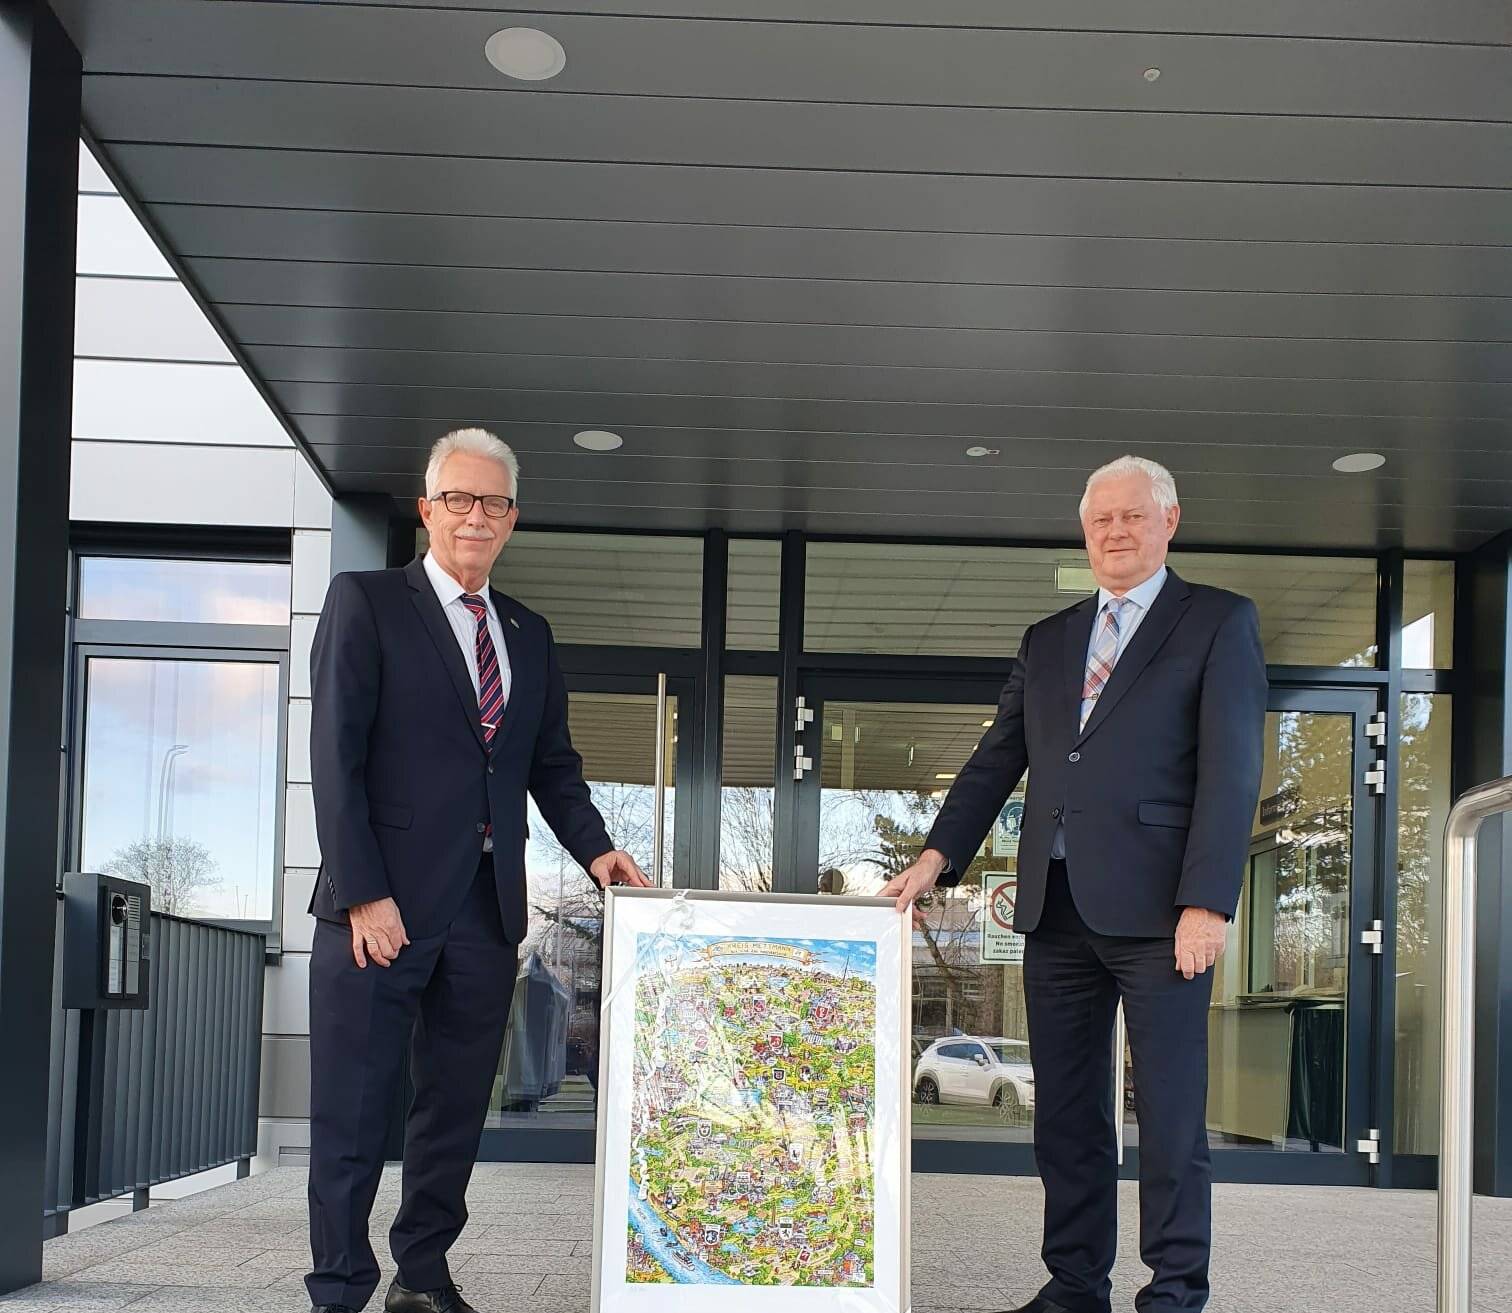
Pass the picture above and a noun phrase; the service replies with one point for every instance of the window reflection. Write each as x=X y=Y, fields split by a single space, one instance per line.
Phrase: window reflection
x=199 y=592
x=548 y=1071
x=747 y=798
x=180 y=781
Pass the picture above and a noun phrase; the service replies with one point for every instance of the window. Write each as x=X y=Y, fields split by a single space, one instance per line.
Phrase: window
x=747 y=795
x=754 y=581
x=928 y=599
x=635 y=590
x=178 y=729
x=1428 y=615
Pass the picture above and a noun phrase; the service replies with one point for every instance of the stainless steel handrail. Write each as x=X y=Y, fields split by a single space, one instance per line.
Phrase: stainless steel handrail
x=1457 y=1075
x=659 y=796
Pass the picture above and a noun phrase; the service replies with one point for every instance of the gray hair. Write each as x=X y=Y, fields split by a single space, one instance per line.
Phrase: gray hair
x=1161 y=482
x=474 y=442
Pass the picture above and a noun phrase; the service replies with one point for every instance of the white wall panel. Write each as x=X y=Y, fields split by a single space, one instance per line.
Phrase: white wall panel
x=156 y=483
x=312 y=503
x=312 y=570
x=111 y=241
x=149 y=401
x=298 y=924
x=299 y=741
x=142 y=319
x=301 y=847
x=301 y=640
x=286 y=996
x=91 y=175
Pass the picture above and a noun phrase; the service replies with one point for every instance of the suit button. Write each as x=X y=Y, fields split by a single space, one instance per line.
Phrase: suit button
x=482 y=827
x=1075 y=756
x=490 y=768
x=1056 y=814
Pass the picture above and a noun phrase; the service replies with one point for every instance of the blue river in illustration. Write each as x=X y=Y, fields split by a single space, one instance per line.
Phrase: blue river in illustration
x=661 y=1247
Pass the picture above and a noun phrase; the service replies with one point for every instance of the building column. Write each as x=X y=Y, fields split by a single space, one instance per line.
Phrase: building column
x=1483 y=751
x=40 y=78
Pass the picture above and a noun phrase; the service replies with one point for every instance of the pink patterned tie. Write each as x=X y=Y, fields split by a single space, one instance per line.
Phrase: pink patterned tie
x=490 y=682
x=1103 y=657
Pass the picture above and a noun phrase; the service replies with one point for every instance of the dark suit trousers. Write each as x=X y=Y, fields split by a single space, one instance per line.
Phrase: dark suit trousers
x=447 y=996
x=1073 y=979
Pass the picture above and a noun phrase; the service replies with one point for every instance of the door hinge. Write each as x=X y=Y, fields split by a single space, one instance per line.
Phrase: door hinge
x=1374 y=938
x=1375 y=729
x=805 y=716
x=1370 y=1146
x=1375 y=775
x=801 y=764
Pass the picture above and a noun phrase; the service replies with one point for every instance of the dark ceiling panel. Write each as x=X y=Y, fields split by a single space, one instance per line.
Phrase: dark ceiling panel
x=808 y=61
x=770 y=252
x=584 y=335
x=1328 y=435
x=926 y=202
x=1012 y=479
x=364 y=376
x=1442 y=477
x=784 y=135
x=988 y=514
x=815 y=301
x=803 y=256
x=1483 y=21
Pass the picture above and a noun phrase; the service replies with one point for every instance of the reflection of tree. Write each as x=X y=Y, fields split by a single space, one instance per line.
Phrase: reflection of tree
x=177 y=870
x=746 y=818
x=899 y=822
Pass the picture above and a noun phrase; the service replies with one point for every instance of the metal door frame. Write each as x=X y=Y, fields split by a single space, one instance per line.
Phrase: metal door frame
x=1366 y=1025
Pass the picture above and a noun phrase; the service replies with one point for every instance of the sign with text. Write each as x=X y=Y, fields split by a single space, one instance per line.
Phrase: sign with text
x=1000 y=943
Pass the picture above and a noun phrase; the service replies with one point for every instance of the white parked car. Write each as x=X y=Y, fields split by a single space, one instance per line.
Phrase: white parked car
x=975 y=1069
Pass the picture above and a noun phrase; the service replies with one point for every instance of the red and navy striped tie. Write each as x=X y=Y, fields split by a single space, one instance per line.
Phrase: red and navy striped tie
x=490 y=681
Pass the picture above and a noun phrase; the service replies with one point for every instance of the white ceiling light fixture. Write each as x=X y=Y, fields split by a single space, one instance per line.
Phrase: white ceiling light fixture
x=598 y=440
x=525 y=53
x=1360 y=462
x=984 y=451
x=1152 y=75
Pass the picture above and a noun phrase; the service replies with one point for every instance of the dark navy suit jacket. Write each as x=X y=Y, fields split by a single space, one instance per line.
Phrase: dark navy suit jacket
x=404 y=782
x=1157 y=793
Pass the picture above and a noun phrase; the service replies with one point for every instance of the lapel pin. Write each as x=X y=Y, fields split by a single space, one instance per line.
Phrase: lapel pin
x=514 y=622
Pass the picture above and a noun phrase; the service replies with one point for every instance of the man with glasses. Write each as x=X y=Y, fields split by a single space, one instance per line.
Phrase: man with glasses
x=1139 y=715
x=437 y=704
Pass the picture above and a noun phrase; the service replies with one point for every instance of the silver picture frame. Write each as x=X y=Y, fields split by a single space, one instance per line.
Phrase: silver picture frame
x=855 y=1298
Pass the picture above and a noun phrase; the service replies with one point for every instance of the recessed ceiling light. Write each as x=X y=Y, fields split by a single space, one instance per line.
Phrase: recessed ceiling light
x=1360 y=462
x=945 y=775
x=1152 y=75
x=983 y=451
x=598 y=440
x=525 y=53
x=986 y=724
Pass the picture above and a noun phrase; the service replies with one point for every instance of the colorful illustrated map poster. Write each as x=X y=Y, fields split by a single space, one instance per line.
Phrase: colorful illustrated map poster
x=752 y=1110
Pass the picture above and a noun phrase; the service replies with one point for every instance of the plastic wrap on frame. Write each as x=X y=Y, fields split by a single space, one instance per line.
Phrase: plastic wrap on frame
x=753 y=1147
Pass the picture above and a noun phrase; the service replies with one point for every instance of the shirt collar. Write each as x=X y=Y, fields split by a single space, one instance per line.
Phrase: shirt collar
x=1142 y=595
x=448 y=590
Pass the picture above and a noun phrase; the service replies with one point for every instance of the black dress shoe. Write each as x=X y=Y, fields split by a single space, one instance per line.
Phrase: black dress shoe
x=401 y=1299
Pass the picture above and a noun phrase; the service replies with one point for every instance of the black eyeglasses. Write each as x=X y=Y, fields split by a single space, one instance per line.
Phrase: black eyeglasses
x=495 y=506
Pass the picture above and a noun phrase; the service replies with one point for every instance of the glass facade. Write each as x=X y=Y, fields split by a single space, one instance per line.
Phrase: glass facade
x=195 y=592
x=548 y=1072
x=1290 y=993
x=180 y=781
x=1424 y=797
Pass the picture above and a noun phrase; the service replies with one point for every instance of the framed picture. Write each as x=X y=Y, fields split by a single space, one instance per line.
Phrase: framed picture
x=753 y=1127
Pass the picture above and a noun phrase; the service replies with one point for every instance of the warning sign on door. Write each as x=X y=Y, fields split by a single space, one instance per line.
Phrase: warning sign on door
x=999 y=942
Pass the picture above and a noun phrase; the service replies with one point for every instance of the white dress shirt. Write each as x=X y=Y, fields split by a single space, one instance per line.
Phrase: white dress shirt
x=449 y=593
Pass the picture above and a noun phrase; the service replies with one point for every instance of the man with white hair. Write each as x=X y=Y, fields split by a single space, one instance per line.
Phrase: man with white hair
x=1139 y=715
x=437 y=704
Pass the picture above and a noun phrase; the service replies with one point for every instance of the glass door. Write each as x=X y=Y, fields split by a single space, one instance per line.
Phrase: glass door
x=548 y=1072
x=1292 y=1018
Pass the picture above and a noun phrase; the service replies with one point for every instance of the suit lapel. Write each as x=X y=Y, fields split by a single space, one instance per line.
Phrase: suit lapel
x=1166 y=610
x=428 y=605
x=1078 y=634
